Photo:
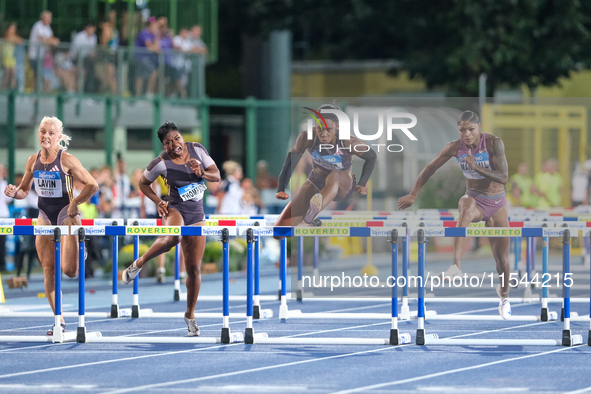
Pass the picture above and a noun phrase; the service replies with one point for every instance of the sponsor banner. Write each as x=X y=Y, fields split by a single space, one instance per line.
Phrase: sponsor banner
x=217 y=231
x=429 y=232
x=211 y=223
x=553 y=232
x=529 y=224
x=48 y=230
x=343 y=223
x=6 y=222
x=6 y=230
x=385 y=232
x=153 y=230
x=572 y=224
x=493 y=232
x=251 y=222
x=89 y=230
x=318 y=231
x=257 y=231
x=109 y=222
x=142 y=222
x=227 y=217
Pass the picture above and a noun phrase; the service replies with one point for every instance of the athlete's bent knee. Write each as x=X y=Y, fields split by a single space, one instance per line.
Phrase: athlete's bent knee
x=71 y=272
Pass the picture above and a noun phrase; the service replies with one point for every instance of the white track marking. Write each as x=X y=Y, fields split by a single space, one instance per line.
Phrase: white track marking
x=451 y=371
x=158 y=385
x=581 y=391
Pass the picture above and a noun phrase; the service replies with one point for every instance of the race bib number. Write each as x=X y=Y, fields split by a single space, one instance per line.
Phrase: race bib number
x=193 y=191
x=330 y=162
x=481 y=160
x=48 y=184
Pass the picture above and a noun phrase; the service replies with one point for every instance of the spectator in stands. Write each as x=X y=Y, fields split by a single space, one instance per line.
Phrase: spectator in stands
x=231 y=193
x=66 y=71
x=8 y=60
x=105 y=182
x=264 y=179
x=549 y=185
x=522 y=188
x=122 y=186
x=184 y=45
x=171 y=71
x=40 y=39
x=580 y=184
x=198 y=44
x=148 y=45
x=251 y=199
x=4 y=214
x=83 y=53
x=107 y=55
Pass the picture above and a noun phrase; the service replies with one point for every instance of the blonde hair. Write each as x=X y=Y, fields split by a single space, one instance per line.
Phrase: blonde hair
x=230 y=167
x=64 y=140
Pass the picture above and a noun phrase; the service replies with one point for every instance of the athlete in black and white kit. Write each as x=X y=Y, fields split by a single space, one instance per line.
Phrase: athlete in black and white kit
x=53 y=172
x=184 y=166
x=331 y=178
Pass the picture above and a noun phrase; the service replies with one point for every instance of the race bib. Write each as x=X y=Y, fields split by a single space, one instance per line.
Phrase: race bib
x=193 y=191
x=330 y=162
x=48 y=184
x=481 y=160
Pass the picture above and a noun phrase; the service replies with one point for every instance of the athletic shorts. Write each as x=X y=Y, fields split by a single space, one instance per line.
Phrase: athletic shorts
x=190 y=211
x=54 y=217
x=488 y=204
x=319 y=181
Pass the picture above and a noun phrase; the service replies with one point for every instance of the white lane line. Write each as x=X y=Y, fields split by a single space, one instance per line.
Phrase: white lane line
x=49 y=325
x=10 y=375
x=157 y=385
x=581 y=391
x=224 y=375
x=214 y=347
x=146 y=356
x=452 y=371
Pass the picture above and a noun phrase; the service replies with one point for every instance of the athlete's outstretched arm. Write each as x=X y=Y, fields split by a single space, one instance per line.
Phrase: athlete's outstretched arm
x=498 y=160
x=291 y=162
x=22 y=191
x=74 y=167
x=446 y=153
x=370 y=158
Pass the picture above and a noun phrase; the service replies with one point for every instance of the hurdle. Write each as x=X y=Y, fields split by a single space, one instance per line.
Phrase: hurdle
x=395 y=338
x=58 y=336
x=226 y=336
x=137 y=230
x=567 y=338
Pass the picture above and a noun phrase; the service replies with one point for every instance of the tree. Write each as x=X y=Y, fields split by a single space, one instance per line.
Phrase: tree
x=446 y=43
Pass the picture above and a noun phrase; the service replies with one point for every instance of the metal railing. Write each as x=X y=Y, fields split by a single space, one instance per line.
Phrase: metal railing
x=124 y=72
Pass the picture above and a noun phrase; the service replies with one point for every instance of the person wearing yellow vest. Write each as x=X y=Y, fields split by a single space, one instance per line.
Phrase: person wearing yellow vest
x=523 y=188
x=549 y=185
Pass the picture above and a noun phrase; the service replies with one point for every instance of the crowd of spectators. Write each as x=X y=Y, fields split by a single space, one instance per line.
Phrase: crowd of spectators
x=91 y=64
x=542 y=191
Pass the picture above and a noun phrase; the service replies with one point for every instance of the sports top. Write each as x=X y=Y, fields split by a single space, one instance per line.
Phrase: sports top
x=480 y=156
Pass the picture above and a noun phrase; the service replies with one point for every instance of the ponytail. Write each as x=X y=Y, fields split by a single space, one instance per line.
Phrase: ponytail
x=64 y=141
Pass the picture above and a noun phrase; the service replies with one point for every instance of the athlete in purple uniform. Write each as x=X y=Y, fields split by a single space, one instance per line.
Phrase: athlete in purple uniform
x=53 y=172
x=331 y=178
x=184 y=166
x=482 y=159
